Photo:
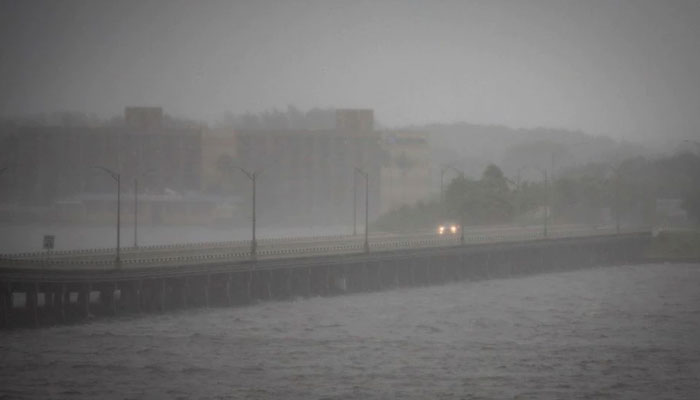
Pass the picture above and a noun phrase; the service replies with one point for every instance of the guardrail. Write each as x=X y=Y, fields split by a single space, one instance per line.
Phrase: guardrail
x=387 y=243
x=174 y=246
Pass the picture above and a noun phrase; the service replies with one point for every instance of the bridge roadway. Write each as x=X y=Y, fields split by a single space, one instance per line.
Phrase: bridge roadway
x=77 y=286
x=275 y=248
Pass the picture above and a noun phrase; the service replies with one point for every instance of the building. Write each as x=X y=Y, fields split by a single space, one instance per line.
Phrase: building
x=55 y=163
x=144 y=117
x=406 y=173
x=218 y=154
x=308 y=177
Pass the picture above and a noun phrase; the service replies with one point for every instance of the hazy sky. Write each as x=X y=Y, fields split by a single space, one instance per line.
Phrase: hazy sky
x=622 y=68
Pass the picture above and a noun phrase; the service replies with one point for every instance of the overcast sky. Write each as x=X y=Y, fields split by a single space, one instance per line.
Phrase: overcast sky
x=621 y=68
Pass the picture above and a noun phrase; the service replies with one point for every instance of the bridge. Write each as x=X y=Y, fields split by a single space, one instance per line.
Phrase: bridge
x=38 y=289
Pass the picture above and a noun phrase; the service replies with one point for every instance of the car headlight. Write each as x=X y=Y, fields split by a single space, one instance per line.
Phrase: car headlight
x=453 y=228
x=441 y=230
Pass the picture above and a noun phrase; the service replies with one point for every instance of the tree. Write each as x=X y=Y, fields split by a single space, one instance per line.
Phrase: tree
x=488 y=200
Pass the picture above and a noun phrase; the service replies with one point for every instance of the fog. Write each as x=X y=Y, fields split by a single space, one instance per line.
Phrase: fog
x=586 y=109
x=322 y=148
x=625 y=69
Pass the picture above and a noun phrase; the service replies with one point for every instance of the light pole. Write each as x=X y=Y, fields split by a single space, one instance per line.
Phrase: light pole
x=253 y=243
x=354 y=204
x=366 y=176
x=116 y=178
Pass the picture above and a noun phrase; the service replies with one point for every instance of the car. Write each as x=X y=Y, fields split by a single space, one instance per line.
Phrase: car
x=448 y=228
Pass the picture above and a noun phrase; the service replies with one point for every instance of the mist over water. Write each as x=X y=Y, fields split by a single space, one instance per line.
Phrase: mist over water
x=628 y=332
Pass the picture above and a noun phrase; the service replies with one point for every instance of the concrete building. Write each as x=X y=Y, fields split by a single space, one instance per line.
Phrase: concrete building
x=406 y=172
x=308 y=176
x=57 y=163
x=144 y=117
x=218 y=155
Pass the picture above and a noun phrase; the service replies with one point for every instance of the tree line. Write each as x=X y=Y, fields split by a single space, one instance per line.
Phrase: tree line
x=596 y=193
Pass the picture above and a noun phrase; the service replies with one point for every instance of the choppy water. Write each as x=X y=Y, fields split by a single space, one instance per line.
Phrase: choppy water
x=628 y=332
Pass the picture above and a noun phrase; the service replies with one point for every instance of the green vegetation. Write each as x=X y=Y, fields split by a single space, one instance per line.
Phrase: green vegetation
x=484 y=201
x=592 y=194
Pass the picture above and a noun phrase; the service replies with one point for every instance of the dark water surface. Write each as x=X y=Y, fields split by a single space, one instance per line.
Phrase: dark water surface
x=630 y=332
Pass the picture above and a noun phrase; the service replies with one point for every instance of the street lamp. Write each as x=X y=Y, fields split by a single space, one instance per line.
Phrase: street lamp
x=252 y=176
x=354 y=204
x=366 y=176
x=116 y=178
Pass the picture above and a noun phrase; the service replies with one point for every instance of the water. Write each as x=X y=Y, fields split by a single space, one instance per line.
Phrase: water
x=627 y=332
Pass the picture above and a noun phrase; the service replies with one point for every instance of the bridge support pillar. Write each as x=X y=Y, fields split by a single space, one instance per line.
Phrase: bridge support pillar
x=32 y=302
x=107 y=294
x=84 y=299
x=62 y=299
x=49 y=298
x=138 y=295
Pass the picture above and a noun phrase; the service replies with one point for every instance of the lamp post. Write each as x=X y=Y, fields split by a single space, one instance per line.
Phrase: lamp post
x=253 y=243
x=354 y=204
x=116 y=178
x=136 y=212
x=366 y=176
